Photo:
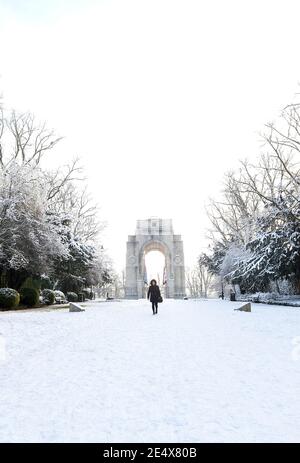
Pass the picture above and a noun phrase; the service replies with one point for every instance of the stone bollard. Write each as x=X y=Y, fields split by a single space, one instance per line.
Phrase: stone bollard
x=245 y=307
x=75 y=307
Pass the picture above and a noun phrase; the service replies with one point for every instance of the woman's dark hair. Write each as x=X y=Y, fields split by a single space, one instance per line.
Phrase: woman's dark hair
x=152 y=281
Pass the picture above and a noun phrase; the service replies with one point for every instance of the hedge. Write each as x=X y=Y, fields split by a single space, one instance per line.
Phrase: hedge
x=9 y=298
x=29 y=296
x=72 y=297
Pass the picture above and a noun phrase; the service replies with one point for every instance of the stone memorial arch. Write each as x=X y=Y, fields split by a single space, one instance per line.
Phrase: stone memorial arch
x=154 y=234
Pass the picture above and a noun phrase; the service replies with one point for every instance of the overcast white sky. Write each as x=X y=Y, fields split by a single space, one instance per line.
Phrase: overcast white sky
x=157 y=97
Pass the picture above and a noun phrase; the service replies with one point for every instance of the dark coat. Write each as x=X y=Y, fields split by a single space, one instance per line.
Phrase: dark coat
x=154 y=293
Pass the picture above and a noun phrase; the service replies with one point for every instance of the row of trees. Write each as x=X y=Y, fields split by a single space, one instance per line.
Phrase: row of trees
x=199 y=280
x=49 y=227
x=255 y=225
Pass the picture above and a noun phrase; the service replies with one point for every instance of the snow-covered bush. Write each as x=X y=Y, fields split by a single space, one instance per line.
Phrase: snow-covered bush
x=283 y=287
x=88 y=293
x=48 y=296
x=60 y=297
x=29 y=296
x=58 y=293
x=264 y=297
x=9 y=298
x=72 y=297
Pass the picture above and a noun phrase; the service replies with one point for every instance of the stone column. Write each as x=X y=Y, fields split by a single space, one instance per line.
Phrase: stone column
x=179 y=272
x=131 y=289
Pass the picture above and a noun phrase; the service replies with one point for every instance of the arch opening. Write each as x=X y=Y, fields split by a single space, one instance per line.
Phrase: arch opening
x=155 y=263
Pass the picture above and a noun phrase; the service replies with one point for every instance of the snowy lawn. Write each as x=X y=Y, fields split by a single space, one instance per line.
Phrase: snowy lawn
x=196 y=372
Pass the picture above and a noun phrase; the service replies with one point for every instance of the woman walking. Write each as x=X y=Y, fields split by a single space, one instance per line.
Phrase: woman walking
x=154 y=295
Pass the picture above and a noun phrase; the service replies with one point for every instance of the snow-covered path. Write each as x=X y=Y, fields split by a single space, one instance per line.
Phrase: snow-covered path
x=197 y=372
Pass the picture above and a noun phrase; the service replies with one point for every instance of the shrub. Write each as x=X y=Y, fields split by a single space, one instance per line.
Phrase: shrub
x=29 y=296
x=72 y=297
x=88 y=293
x=9 y=298
x=48 y=296
x=60 y=297
x=59 y=294
x=81 y=297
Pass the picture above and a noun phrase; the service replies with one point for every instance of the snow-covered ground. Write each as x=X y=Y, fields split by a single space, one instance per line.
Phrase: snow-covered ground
x=197 y=372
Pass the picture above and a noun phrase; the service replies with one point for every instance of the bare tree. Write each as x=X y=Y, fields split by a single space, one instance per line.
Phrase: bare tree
x=69 y=199
x=29 y=140
x=231 y=216
x=265 y=182
x=192 y=283
x=86 y=223
x=198 y=280
x=259 y=209
x=59 y=181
